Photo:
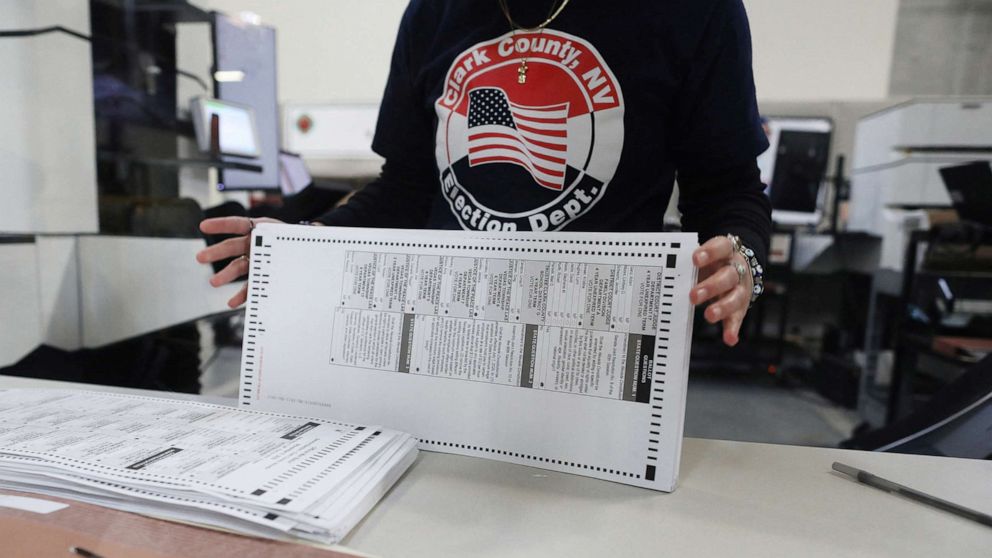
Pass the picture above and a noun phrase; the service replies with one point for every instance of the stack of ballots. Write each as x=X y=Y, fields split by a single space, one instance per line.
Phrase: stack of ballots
x=251 y=472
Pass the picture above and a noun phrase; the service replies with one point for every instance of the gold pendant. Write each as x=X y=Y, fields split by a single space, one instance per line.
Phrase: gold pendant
x=522 y=72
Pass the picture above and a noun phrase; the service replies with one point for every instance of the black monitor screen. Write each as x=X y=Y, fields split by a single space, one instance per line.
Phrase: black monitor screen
x=970 y=189
x=251 y=50
x=800 y=165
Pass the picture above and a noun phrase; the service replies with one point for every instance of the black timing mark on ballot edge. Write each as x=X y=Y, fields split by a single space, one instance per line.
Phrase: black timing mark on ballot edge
x=660 y=361
x=256 y=294
x=535 y=458
x=137 y=466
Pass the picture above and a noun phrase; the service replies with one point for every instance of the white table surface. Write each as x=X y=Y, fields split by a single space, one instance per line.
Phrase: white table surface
x=735 y=499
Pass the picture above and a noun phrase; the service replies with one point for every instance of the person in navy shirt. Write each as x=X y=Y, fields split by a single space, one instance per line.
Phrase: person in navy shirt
x=574 y=115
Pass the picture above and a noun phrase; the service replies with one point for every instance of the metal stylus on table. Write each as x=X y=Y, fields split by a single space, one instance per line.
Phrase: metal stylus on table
x=922 y=497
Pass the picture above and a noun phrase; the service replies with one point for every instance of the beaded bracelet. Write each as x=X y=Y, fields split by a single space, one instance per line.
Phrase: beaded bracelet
x=757 y=272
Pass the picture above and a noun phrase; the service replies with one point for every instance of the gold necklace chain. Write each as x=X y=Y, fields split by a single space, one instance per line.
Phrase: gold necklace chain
x=554 y=13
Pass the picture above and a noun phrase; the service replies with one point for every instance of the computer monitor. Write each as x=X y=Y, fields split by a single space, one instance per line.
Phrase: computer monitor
x=794 y=166
x=247 y=51
x=237 y=132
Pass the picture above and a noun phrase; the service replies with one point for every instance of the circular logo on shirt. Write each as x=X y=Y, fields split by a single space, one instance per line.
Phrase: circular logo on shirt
x=530 y=130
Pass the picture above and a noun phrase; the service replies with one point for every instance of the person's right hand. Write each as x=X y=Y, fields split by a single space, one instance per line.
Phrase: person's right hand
x=238 y=248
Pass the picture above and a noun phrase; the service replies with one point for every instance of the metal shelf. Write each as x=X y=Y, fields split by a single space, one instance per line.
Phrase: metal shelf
x=178 y=162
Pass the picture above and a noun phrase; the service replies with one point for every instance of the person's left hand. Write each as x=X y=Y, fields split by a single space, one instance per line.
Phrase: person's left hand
x=719 y=282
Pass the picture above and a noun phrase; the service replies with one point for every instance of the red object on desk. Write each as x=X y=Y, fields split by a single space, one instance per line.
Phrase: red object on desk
x=970 y=348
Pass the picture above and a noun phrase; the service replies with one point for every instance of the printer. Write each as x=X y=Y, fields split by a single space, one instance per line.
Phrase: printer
x=898 y=154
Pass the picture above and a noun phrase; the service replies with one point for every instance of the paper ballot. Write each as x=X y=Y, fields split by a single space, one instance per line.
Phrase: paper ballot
x=243 y=470
x=567 y=351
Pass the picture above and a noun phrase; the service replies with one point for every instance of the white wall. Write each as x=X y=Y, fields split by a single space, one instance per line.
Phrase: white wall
x=943 y=47
x=338 y=50
x=814 y=50
x=328 y=50
x=20 y=321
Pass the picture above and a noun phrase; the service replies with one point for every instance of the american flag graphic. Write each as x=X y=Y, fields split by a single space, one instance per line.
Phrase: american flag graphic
x=535 y=138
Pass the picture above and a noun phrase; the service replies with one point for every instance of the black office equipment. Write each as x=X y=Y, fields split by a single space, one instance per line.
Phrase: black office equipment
x=970 y=188
x=800 y=165
x=794 y=167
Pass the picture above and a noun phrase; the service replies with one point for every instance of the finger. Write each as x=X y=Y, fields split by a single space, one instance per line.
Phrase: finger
x=716 y=284
x=734 y=301
x=715 y=249
x=239 y=298
x=235 y=269
x=732 y=329
x=230 y=248
x=226 y=225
